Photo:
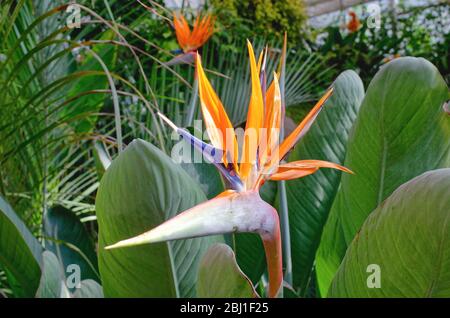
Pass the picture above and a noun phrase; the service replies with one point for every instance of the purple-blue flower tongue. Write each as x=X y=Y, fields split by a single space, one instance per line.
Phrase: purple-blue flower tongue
x=210 y=153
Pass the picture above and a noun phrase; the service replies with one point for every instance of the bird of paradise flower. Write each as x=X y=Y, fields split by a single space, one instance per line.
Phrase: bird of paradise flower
x=240 y=208
x=354 y=24
x=191 y=40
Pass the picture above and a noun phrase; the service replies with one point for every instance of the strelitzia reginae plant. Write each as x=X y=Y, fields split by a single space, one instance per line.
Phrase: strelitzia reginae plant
x=240 y=208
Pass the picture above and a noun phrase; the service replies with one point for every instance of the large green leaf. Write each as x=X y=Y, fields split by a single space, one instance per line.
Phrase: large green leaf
x=67 y=238
x=20 y=252
x=310 y=198
x=141 y=189
x=401 y=131
x=404 y=244
x=220 y=276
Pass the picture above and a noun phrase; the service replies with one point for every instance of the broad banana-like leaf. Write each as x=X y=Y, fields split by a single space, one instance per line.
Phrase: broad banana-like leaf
x=403 y=247
x=310 y=198
x=220 y=276
x=401 y=131
x=140 y=190
x=20 y=252
x=68 y=239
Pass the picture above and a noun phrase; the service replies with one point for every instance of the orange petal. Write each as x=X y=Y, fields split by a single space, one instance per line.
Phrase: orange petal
x=303 y=127
x=292 y=174
x=313 y=164
x=254 y=119
x=202 y=31
x=272 y=120
x=182 y=31
x=216 y=119
x=302 y=168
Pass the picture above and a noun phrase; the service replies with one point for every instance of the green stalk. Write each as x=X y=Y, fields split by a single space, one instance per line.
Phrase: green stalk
x=192 y=103
x=284 y=217
x=285 y=232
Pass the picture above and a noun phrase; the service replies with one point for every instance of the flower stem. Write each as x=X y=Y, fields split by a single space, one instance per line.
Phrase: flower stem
x=284 y=217
x=272 y=248
x=285 y=232
x=192 y=104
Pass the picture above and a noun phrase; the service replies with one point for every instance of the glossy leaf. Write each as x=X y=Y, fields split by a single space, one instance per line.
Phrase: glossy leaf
x=310 y=198
x=220 y=276
x=401 y=131
x=140 y=190
x=402 y=248
x=20 y=252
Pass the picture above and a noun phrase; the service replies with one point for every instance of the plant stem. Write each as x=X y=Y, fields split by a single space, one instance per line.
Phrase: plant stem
x=192 y=103
x=285 y=232
x=284 y=217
